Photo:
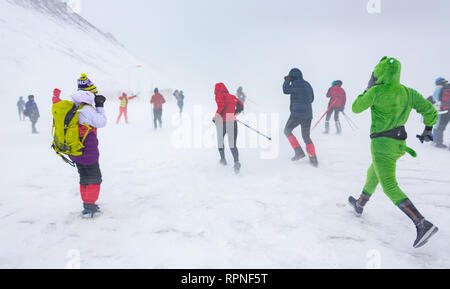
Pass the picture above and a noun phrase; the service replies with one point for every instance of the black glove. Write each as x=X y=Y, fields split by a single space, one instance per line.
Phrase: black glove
x=287 y=78
x=427 y=135
x=372 y=82
x=100 y=100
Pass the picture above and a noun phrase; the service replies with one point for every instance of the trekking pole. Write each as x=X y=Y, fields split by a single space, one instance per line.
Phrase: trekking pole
x=267 y=137
x=350 y=122
x=331 y=106
x=252 y=101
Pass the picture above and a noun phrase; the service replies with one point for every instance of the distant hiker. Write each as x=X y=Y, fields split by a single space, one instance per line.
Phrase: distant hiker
x=56 y=96
x=21 y=108
x=123 y=110
x=391 y=104
x=176 y=94
x=442 y=98
x=180 y=101
x=241 y=95
x=302 y=97
x=32 y=112
x=336 y=105
x=157 y=101
x=90 y=119
x=228 y=106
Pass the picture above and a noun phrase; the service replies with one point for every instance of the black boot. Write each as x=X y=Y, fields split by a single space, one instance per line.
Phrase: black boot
x=223 y=160
x=299 y=154
x=338 y=127
x=237 y=168
x=91 y=211
x=359 y=205
x=327 y=127
x=425 y=229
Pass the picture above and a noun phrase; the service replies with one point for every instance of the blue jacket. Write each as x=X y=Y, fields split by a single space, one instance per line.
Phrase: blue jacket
x=302 y=95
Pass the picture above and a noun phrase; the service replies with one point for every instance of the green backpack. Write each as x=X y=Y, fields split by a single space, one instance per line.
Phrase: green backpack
x=66 y=135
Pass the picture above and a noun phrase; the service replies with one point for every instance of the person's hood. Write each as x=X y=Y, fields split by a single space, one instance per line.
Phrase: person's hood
x=82 y=96
x=296 y=74
x=220 y=88
x=388 y=71
x=30 y=97
x=57 y=92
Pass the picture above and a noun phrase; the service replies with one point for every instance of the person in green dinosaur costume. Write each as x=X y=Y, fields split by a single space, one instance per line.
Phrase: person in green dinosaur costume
x=391 y=104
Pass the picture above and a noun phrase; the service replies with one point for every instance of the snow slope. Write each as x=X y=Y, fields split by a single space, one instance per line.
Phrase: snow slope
x=177 y=208
x=45 y=46
x=171 y=207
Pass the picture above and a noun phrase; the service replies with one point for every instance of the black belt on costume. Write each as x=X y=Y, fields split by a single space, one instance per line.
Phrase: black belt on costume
x=398 y=133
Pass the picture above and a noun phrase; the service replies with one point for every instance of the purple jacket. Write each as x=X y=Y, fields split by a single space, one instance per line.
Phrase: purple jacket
x=94 y=117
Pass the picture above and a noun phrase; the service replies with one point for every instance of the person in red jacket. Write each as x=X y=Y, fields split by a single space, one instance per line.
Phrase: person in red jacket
x=228 y=106
x=56 y=96
x=337 y=103
x=124 y=99
x=157 y=101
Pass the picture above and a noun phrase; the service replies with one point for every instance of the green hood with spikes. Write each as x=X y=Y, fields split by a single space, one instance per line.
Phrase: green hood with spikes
x=390 y=101
x=388 y=71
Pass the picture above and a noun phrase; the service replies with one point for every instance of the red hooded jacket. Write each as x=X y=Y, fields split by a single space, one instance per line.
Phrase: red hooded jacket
x=157 y=100
x=226 y=103
x=56 y=96
x=338 y=96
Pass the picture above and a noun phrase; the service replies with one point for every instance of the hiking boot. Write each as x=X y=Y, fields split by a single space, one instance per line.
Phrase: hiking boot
x=237 y=167
x=425 y=230
x=90 y=211
x=358 y=205
x=299 y=154
x=441 y=146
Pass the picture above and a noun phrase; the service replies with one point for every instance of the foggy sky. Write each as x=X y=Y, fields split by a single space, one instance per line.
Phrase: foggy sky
x=255 y=42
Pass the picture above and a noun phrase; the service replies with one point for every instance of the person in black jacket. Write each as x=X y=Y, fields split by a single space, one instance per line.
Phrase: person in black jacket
x=302 y=97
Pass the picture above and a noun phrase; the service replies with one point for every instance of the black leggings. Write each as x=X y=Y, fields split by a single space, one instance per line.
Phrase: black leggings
x=305 y=125
x=230 y=129
x=336 y=111
x=89 y=174
x=157 y=117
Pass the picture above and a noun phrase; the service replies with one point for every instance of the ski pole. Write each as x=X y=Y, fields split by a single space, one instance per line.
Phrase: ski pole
x=267 y=137
x=252 y=101
x=331 y=106
x=350 y=121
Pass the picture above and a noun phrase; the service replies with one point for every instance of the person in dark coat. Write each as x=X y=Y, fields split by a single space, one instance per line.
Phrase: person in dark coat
x=302 y=97
x=32 y=111
x=21 y=108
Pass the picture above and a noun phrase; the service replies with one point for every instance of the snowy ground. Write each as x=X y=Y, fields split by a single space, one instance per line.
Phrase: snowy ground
x=177 y=208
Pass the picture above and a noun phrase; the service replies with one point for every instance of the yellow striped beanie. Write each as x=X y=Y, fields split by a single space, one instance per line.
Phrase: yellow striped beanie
x=84 y=83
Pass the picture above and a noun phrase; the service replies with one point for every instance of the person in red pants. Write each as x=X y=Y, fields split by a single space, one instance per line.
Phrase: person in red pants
x=123 y=110
x=91 y=117
x=302 y=97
